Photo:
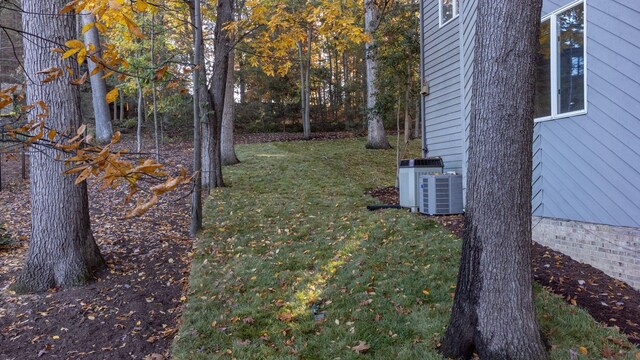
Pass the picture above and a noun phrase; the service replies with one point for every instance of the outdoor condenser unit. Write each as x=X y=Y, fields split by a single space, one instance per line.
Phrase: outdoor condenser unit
x=408 y=175
x=440 y=194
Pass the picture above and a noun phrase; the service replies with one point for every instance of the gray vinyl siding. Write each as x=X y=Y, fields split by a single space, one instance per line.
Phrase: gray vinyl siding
x=441 y=57
x=585 y=168
x=589 y=165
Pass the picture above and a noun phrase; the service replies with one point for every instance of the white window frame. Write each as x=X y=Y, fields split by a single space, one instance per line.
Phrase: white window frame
x=553 y=38
x=456 y=13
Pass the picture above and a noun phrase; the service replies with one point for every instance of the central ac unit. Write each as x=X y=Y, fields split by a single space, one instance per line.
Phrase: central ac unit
x=441 y=194
x=409 y=174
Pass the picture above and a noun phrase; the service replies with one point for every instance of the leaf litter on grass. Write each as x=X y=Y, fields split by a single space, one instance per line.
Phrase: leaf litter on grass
x=291 y=238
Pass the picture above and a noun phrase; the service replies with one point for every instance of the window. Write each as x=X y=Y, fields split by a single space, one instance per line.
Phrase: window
x=561 y=84
x=448 y=10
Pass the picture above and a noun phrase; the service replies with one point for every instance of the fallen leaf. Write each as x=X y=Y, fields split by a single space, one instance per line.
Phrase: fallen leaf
x=583 y=350
x=361 y=347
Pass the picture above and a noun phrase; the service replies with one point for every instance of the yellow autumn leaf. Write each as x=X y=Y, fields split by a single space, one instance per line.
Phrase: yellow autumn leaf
x=69 y=53
x=112 y=95
x=101 y=28
x=51 y=135
x=82 y=55
x=141 y=5
x=74 y=44
x=88 y=27
x=583 y=350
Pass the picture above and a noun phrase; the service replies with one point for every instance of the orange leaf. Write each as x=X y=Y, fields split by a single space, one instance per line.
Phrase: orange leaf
x=133 y=27
x=583 y=350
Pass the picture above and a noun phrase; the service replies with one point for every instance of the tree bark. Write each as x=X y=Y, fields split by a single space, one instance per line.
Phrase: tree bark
x=416 y=126
x=104 y=128
x=217 y=91
x=493 y=312
x=62 y=251
x=376 y=137
x=153 y=88
x=140 y=117
x=121 y=105
x=228 y=148
x=196 y=200
x=305 y=63
x=407 y=97
x=205 y=108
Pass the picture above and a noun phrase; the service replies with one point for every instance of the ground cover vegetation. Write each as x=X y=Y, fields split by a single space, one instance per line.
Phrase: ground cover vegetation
x=292 y=265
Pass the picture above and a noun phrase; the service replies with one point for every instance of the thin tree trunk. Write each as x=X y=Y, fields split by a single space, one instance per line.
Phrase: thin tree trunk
x=196 y=200
x=303 y=88
x=140 y=116
x=416 y=127
x=376 y=137
x=153 y=88
x=62 y=251
x=407 y=96
x=104 y=128
x=227 y=146
x=494 y=313
x=346 y=93
x=121 y=105
x=307 y=113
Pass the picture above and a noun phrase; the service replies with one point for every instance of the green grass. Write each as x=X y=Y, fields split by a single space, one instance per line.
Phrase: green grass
x=292 y=232
x=5 y=237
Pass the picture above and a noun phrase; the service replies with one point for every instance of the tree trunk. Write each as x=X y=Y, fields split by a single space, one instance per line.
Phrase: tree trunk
x=222 y=47
x=407 y=97
x=121 y=105
x=62 y=251
x=104 y=128
x=346 y=91
x=196 y=200
x=304 y=91
x=376 y=137
x=140 y=117
x=205 y=109
x=307 y=70
x=153 y=89
x=493 y=313
x=416 y=126
x=228 y=148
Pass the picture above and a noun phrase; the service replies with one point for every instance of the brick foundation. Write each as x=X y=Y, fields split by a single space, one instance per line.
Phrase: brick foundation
x=614 y=250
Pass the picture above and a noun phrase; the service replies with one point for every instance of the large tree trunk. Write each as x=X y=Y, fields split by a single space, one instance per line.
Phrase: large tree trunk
x=493 y=312
x=104 y=129
x=376 y=138
x=222 y=47
x=62 y=251
x=227 y=146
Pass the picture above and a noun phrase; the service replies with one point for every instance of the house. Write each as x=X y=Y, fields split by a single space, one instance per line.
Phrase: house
x=586 y=149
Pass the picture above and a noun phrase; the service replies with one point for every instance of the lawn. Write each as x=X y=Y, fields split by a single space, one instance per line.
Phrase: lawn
x=292 y=266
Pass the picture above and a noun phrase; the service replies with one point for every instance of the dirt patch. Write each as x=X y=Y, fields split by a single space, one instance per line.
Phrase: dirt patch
x=608 y=300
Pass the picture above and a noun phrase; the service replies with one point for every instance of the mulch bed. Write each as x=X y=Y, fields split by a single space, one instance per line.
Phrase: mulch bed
x=608 y=300
x=132 y=309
